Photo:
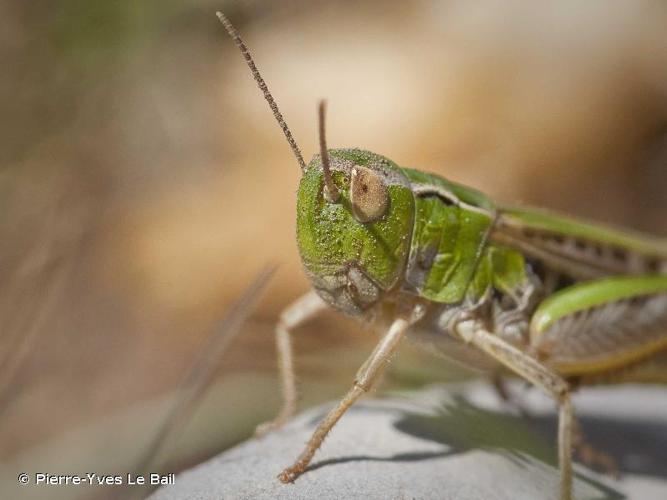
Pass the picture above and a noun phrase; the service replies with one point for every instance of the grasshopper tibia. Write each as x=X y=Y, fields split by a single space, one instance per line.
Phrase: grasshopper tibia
x=304 y=308
x=363 y=382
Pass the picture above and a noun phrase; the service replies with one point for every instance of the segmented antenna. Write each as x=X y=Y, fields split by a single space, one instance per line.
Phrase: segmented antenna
x=262 y=86
x=331 y=192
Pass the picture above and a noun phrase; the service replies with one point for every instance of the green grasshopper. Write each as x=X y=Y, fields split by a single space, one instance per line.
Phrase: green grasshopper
x=559 y=302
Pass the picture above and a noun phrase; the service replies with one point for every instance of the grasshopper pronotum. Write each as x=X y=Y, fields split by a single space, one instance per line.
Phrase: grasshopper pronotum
x=559 y=302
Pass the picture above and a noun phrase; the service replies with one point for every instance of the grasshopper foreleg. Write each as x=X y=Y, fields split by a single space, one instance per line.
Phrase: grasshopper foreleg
x=473 y=332
x=300 y=311
x=363 y=382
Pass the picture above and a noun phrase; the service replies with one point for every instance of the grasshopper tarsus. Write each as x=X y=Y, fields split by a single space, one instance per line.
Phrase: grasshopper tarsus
x=267 y=427
x=289 y=475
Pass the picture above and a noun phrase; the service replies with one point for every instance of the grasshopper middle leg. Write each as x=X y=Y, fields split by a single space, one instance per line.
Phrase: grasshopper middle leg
x=300 y=311
x=363 y=382
x=535 y=372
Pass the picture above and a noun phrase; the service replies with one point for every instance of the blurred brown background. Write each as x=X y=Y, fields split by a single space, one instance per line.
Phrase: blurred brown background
x=144 y=183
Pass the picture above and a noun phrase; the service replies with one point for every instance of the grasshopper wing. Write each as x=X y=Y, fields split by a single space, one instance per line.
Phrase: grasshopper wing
x=579 y=249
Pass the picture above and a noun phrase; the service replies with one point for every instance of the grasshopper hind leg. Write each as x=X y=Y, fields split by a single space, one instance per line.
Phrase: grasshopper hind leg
x=622 y=323
x=300 y=311
x=598 y=329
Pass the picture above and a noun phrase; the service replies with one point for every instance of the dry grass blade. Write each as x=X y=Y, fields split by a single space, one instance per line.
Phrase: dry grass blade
x=196 y=381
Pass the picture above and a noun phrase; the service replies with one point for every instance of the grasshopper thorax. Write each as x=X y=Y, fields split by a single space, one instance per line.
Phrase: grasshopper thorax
x=354 y=248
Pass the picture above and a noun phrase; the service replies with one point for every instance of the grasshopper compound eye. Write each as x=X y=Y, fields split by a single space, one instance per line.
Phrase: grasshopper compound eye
x=368 y=192
x=368 y=195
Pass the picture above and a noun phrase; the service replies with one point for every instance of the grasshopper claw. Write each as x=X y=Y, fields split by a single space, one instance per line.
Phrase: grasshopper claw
x=264 y=428
x=291 y=473
x=285 y=477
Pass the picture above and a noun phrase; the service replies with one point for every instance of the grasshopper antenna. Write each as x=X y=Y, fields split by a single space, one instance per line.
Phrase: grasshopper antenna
x=331 y=192
x=262 y=86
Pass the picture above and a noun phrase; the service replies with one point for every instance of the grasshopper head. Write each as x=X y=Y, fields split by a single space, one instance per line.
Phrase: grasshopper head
x=355 y=213
x=354 y=221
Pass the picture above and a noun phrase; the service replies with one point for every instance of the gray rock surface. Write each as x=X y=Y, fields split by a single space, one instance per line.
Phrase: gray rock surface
x=447 y=442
